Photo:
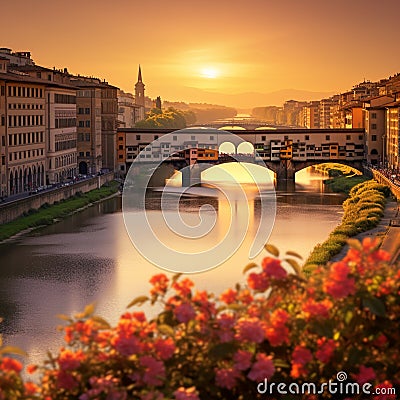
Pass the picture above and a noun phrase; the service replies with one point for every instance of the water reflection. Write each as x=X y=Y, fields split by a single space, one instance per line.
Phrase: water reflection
x=89 y=258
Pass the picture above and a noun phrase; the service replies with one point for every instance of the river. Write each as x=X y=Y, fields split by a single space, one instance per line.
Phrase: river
x=88 y=257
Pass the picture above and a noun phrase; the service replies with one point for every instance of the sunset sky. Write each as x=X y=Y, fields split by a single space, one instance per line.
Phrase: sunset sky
x=188 y=49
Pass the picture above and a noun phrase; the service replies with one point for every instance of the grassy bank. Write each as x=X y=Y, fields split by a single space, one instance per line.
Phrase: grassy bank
x=46 y=214
x=362 y=211
x=342 y=178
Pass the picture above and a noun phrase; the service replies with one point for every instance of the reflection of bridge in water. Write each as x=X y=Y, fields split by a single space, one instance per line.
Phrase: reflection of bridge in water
x=284 y=151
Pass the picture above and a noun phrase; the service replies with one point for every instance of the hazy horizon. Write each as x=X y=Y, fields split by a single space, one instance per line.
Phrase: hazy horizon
x=234 y=53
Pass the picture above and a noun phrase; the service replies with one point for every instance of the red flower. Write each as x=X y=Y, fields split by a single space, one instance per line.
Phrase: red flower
x=262 y=368
x=69 y=360
x=312 y=309
x=154 y=370
x=250 y=330
x=277 y=332
x=165 y=348
x=338 y=284
x=184 y=312
x=9 y=364
x=300 y=358
x=259 y=282
x=326 y=348
x=229 y=296
x=273 y=268
x=242 y=359
x=366 y=374
x=226 y=377
x=160 y=284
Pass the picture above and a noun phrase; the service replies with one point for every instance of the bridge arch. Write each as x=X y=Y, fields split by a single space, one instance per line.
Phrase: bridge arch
x=227 y=148
x=245 y=148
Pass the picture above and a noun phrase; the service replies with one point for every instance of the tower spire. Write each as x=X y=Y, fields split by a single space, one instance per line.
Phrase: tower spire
x=140 y=74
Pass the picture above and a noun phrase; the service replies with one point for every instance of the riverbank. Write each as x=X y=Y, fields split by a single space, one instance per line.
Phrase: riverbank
x=363 y=211
x=390 y=235
x=49 y=214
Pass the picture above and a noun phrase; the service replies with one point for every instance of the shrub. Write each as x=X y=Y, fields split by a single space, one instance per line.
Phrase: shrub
x=278 y=326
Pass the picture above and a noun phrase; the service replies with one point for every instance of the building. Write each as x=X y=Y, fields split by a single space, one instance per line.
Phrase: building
x=393 y=135
x=310 y=115
x=23 y=131
x=128 y=111
x=375 y=128
x=61 y=130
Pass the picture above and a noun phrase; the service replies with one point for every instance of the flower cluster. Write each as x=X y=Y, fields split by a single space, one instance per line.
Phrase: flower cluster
x=279 y=325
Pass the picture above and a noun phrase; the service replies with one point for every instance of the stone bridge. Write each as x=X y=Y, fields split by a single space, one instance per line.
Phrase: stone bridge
x=284 y=151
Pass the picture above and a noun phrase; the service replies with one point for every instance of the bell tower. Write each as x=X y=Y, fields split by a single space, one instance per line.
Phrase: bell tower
x=139 y=89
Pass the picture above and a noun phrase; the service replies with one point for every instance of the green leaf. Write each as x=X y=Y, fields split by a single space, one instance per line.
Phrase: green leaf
x=272 y=249
x=89 y=310
x=249 y=266
x=64 y=317
x=348 y=317
x=138 y=301
x=294 y=254
x=376 y=306
x=101 y=321
x=221 y=351
x=166 y=317
x=295 y=265
x=166 y=330
x=12 y=350
x=281 y=363
x=176 y=277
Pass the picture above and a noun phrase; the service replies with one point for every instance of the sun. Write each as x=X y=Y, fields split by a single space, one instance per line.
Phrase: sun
x=209 y=73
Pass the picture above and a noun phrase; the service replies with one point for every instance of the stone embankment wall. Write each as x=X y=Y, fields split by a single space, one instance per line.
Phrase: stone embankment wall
x=386 y=181
x=14 y=209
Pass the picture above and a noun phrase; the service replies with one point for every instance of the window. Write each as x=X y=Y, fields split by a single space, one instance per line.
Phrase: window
x=348 y=137
x=3 y=120
x=174 y=138
x=87 y=123
x=373 y=115
x=81 y=124
x=81 y=154
x=373 y=126
x=307 y=137
x=3 y=90
x=87 y=110
x=80 y=137
x=373 y=138
x=211 y=137
x=360 y=137
x=120 y=147
x=87 y=136
x=328 y=137
x=137 y=137
x=120 y=156
x=193 y=138
x=88 y=154
x=80 y=110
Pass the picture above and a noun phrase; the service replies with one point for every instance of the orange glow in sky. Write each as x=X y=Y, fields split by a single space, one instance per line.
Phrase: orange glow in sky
x=211 y=51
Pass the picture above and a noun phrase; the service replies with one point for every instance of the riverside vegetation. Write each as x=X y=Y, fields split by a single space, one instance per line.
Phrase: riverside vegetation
x=277 y=325
x=47 y=214
x=363 y=210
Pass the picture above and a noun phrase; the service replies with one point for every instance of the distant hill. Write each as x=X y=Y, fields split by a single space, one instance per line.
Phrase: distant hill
x=204 y=112
x=250 y=100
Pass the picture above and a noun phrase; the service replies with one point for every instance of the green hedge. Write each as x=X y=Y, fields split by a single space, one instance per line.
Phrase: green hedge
x=362 y=211
x=46 y=214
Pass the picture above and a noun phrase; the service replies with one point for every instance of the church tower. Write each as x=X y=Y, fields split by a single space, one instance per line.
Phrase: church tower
x=139 y=90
